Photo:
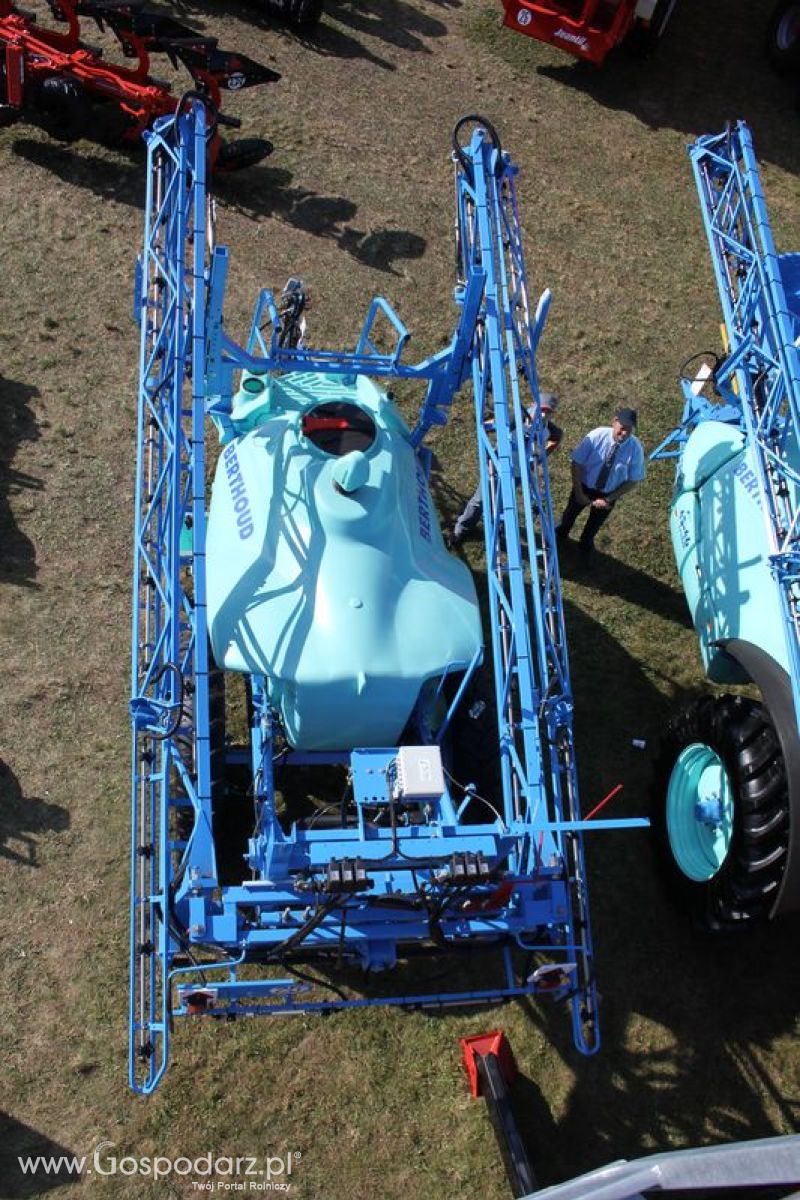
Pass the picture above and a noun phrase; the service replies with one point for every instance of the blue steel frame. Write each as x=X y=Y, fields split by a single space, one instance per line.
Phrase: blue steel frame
x=169 y=658
x=759 y=380
x=185 y=927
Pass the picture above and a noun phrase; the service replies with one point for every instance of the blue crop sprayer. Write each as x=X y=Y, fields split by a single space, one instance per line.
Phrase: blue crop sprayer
x=312 y=575
x=727 y=792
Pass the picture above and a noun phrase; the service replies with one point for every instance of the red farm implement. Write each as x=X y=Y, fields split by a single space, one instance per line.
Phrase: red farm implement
x=52 y=76
x=589 y=29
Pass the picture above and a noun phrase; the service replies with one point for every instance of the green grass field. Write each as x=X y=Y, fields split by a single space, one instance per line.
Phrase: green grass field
x=699 y=1036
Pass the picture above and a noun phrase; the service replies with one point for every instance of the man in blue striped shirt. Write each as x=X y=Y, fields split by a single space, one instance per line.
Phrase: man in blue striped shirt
x=606 y=464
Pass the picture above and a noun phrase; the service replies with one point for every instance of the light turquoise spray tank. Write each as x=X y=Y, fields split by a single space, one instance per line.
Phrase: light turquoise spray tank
x=327 y=572
x=719 y=536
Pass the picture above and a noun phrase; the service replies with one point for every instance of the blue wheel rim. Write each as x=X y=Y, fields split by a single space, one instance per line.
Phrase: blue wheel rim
x=699 y=812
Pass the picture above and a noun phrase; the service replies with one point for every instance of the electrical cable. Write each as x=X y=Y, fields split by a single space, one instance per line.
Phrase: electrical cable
x=475 y=795
x=300 y=935
x=313 y=979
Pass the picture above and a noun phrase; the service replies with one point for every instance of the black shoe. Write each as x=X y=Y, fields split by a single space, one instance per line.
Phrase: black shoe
x=452 y=540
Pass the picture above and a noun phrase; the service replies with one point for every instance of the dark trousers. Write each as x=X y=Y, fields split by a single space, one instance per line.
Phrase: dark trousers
x=473 y=511
x=596 y=519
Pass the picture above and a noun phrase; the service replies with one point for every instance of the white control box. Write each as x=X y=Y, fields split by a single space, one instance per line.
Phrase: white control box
x=420 y=775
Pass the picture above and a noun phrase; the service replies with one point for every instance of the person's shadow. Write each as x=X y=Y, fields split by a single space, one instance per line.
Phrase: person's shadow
x=17 y=425
x=23 y=819
x=19 y=1144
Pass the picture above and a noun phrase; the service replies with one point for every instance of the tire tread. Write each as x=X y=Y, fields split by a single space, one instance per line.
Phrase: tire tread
x=739 y=730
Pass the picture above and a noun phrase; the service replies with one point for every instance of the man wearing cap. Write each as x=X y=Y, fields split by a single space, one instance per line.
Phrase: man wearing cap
x=473 y=509
x=606 y=464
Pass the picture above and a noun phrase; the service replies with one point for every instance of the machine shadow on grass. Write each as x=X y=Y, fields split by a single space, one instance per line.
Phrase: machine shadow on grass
x=121 y=179
x=606 y=573
x=684 y=1021
x=259 y=192
x=684 y=1017
x=18 y=1140
x=329 y=42
x=401 y=24
x=22 y=818
x=17 y=425
x=613 y=577
x=675 y=88
x=267 y=192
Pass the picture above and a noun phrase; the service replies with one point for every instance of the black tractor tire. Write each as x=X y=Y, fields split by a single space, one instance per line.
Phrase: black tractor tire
x=742 y=890
x=643 y=39
x=244 y=152
x=783 y=37
x=65 y=108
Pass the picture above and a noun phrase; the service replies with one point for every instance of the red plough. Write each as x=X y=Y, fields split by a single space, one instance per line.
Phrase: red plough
x=58 y=78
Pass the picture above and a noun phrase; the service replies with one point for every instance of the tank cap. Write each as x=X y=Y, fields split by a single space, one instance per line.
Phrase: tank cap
x=350 y=472
x=254 y=386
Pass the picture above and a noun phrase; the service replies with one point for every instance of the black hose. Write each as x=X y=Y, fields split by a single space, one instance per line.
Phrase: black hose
x=211 y=109
x=172 y=728
x=718 y=360
x=458 y=149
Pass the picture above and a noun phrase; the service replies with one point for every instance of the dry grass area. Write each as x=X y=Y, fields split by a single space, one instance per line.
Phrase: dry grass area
x=699 y=1039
